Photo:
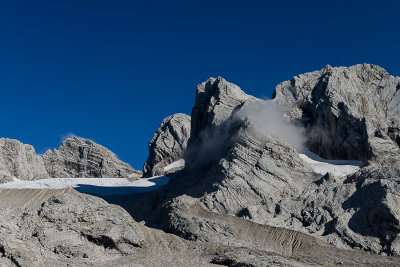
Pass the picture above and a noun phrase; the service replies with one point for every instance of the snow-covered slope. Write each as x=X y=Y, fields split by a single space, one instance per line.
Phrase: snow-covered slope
x=176 y=164
x=122 y=186
x=336 y=167
x=98 y=186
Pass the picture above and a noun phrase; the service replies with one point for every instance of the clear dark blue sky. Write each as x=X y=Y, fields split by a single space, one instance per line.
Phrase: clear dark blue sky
x=112 y=70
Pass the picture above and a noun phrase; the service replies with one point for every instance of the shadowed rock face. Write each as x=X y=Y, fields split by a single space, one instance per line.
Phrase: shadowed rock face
x=346 y=111
x=20 y=161
x=232 y=169
x=215 y=101
x=79 y=157
x=213 y=122
x=168 y=144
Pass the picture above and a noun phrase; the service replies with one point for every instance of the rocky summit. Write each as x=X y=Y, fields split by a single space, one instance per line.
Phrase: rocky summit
x=309 y=178
x=79 y=157
x=168 y=144
x=348 y=113
x=76 y=157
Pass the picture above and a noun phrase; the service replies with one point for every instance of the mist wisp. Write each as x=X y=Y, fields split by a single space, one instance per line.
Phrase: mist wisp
x=267 y=119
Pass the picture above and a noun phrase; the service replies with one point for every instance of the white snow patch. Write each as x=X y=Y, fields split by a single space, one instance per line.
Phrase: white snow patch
x=337 y=167
x=99 y=186
x=176 y=164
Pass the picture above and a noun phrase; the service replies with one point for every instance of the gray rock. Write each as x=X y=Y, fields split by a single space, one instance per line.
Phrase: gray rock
x=213 y=121
x=168 y=144
x=198 y=223
x=343 y=108
x=79 y=157
x=67 y=225
x=215 y=101
x=234 y=169
x=67 y=228
x=255 y=173
x=20 y=161
x=244 y=193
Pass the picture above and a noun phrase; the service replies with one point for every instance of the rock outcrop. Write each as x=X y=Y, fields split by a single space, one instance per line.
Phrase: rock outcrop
x=20 y=161
x=67 y=228
x=216 y=99
x=79 y=157
x=168 y=144
x=232 y=168
x=349 y=113
x=212 y=121
x=68 y=225
x=76 y=157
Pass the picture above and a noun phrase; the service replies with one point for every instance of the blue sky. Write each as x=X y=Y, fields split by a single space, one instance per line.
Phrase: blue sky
x=112 y=70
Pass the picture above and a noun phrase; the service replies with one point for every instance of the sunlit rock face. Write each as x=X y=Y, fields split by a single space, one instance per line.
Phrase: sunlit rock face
x=348 y=112
x=20 y=161
x=76 y=157
x=246 y=182
x=233 y=168
x=79 y=157
x=168 y=144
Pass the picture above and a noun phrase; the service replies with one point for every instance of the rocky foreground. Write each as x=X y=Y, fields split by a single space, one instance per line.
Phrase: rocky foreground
x=245 y=197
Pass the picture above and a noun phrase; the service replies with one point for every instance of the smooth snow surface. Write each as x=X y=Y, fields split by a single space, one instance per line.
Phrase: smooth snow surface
x=97 y=186
x=176 y=164
x=336 y=167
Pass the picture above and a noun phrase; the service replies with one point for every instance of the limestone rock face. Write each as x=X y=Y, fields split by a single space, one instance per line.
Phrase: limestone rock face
x=79 y=157
x=168 y=144
x=68 y=227
x=243 y=191
x=216 y=99
x=343 y=109
x=20 y=161
x=254 y=174
x=76 y=157
x=231 y=168
x=213 y=120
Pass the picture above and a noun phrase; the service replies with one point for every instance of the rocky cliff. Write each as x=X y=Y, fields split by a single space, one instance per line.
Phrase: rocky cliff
x=20 y=161
x=79 y=157
x=76 y=157
x=234 y=168
x=168 y=144
x=349 y=113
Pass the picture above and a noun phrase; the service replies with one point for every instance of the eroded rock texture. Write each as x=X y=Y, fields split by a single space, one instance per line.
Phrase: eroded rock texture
x=234 y=169
x=67 y=228
x=79 y=157
x=246 y=194
x=67 y=225
x=349 y=113
x=168 y=144
x=20 y=161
